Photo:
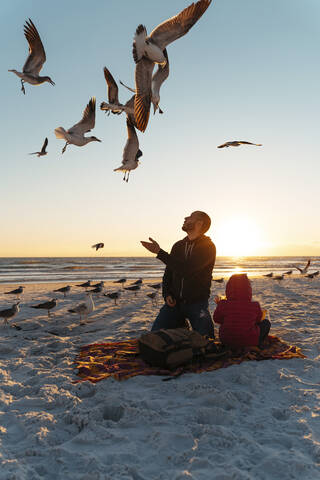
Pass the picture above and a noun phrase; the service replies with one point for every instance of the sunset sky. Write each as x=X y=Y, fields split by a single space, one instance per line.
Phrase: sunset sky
x=248 y=70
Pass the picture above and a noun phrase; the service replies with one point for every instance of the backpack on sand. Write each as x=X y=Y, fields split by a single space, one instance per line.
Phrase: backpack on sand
x=171 y=348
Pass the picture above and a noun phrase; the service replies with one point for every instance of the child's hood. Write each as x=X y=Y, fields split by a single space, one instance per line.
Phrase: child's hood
x=239 y=287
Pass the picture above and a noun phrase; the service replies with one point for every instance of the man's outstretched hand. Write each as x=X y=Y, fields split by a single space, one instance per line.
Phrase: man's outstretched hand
x=152 y=246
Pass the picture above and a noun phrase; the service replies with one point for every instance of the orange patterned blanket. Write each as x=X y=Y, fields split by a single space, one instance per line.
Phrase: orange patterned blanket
x=121 y=360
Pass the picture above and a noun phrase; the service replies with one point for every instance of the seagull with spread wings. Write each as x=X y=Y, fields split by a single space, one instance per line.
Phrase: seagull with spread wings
x=131 y=152
x=98 y=245
x=304 y=269
x=150 y=49
x=114 y=105
x=158 y=78
x=43 y=149
x=35 y=60
x=75 y=134
x=237 y=143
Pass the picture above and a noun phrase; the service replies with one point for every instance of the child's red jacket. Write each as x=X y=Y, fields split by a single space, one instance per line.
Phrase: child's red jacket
x=238 y=316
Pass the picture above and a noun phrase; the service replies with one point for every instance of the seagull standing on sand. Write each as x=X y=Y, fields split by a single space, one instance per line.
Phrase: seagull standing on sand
x=16 y=291
x=98 y=245
x=121 y=280
x=46 y=305
x=100 y=284
x=153 y=297
x=237 y=143
x=303 y=270
x=84 y=308
x=268 y=275
x=97 y=289
x=131 y=153
x=133 y=288
x=9 y=313
x=43 y=149
x=114 y=296
x=75 y=134
x=156 y=286
x=278 y=277
x=218 y=280
x=149 y=49
x=85 y=285
x=63 y=290
x=35 y=60
x=137 y=282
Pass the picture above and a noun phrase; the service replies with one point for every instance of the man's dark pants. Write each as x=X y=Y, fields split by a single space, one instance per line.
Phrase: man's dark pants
x=174 y=317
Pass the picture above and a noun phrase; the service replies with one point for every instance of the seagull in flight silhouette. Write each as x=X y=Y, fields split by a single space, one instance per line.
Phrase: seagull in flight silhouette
x=35 y=60
x=43 y=149
x=75 y=134
x=98 y=245
x=131 y=152
x=303 y=270
x=150 y=49
x=237 y=143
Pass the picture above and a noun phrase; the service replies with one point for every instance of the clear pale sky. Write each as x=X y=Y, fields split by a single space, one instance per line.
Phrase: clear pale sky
x=248 y=70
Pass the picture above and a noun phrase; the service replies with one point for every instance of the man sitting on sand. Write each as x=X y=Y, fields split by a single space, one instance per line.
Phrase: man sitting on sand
x=187 y=278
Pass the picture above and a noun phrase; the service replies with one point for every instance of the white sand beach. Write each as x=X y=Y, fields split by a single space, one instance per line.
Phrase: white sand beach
x=256 y=420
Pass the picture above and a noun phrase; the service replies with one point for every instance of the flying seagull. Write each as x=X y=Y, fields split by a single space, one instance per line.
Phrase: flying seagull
x=151 y=48
x=303 y=270
x=131 y=153
x=75 y=134
x=46 y=305
x=9 y=313
x=35 y=60
x=114 y=105
x=237 y=143
x=16 y=291
x=63 y=290
x=112 y=91
x=98 y=245
x=43 y=149
x=157 y=80
x=84 y=308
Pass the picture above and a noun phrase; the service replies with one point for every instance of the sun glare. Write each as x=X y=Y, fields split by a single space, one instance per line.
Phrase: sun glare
x=238 y=237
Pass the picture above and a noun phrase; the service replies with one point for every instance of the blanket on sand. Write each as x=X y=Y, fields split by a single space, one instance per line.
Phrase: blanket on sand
x=121 y=360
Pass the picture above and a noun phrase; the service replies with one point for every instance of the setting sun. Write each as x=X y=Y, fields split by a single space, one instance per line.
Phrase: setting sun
x=238 y=237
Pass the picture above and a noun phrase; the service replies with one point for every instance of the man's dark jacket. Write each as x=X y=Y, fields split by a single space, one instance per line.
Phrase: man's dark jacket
x=188 y=273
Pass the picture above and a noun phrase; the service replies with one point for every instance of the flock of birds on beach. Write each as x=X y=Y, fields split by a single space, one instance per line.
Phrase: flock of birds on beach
x=83 y=309
x=148 y=51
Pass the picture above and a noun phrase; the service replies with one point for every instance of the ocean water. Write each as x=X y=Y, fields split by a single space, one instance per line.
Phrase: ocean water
x=43 y=270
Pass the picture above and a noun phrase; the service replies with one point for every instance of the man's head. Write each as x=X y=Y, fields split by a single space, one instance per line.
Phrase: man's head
x=196 y=224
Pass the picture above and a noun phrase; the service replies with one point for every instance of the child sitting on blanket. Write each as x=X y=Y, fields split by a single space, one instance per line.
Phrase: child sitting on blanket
x=241 y=319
